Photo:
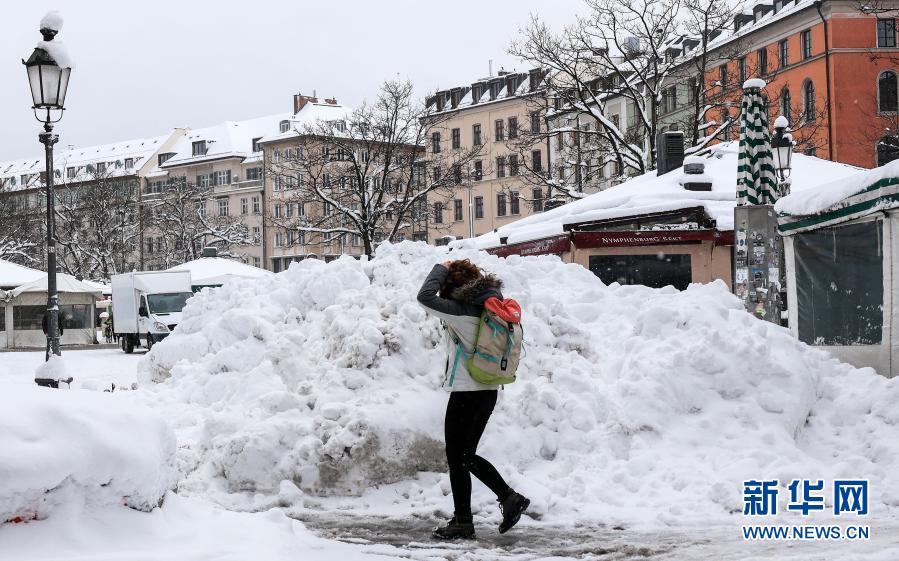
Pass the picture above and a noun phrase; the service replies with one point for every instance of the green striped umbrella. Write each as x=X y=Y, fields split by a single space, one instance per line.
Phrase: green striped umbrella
x=756 y=179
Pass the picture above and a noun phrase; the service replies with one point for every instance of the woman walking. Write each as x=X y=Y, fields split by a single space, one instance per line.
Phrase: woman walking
x=455 y=292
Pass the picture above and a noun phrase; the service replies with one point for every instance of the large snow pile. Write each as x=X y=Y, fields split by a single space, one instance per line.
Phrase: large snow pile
x=61 y=447
x=631 y=402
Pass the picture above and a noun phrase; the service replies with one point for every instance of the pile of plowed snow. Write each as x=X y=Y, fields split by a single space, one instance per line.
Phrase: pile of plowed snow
x=632 y=403
x=72 y=448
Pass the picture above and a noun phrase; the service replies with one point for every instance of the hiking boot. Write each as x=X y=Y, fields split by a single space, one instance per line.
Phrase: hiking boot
x=512 y=508
x=454 y=530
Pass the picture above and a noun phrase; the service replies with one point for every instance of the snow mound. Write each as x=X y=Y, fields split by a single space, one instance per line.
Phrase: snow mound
x=632 y=403
x=61 y=446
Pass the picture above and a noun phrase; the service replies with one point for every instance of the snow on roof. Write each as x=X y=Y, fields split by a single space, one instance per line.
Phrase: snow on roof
x=841 y=199
x=113 y=155
x=228 y=139
x=310 y=114
x=215 y=270
x=64 y=283
x=12 y=275
x=650 y=193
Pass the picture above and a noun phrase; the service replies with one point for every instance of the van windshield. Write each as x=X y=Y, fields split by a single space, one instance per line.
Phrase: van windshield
x=167 y=303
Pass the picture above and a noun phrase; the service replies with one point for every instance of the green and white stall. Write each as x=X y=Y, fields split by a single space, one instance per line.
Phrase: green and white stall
x=842 y=247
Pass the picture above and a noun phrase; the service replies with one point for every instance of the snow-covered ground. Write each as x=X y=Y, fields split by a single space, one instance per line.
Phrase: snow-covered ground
x=637 y=417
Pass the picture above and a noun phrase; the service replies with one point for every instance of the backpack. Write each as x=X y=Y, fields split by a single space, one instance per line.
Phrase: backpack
x=498 y=343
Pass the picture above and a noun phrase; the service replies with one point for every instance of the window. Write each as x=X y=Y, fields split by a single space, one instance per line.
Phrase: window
x=2 y=318
x=222 y=177
x=501 y=204
x=75 y=316
x=256 y=147
x=278 y=239
x=498 y=130
x=811 y=151
x=244 y=205
x=70 y=173
x=692 y=89
x=560 y=141
x=277 y=210
x=254 y=174
x=763 y=62
x=514 y=205
x=535 y=122
x=257 y=234
x=886 y=33
x=536 y=160
x=887 y=93
x=786 y=104
x=537 y=195
x=199 y=148
x=101 y=167
x=722 y=75
x=257 y=262
x=327 y=209
x=256 y=206
x=476 y=134
x=438 y=213
x=478 y=170
x=289 y=210
x=284 y=126
x=784 y=53
x=435 y=142
x=129 y=163
x=301 y=208
x=728 y=124
x=457 y=139
x=513 y=164
x=808 y=102
x=276 y=183
x=500 y=166
x=669 y=99
x=887 y=150
x=457 y=210
x=805 y=39
x=742 y=69
x=479 y=207
x=457 y=175
x=201 y=208
x=513 y=127
x=163 y=158
x=28 y=317
x=655 y=270
x=839 y=272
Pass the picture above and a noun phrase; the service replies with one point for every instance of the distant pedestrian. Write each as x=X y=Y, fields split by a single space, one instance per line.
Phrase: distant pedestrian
x=455 y=291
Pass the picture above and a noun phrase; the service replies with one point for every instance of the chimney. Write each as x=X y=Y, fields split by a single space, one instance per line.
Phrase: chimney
x=300 y=101
x=332 y=101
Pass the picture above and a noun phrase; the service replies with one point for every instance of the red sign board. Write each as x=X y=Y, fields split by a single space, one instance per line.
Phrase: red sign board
x=630 y=238
x=545 y=246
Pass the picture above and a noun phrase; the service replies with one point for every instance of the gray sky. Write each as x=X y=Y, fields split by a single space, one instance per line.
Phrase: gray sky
x=145 y=67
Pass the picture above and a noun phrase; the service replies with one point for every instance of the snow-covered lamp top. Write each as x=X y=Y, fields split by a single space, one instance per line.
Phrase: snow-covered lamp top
x=781 y=122
x=49 y=67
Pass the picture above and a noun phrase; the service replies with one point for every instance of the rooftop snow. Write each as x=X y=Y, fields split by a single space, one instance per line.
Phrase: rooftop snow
x=650 y=193
x=113 y=155
x=832 y=193
x=12 y=275
x=210 y=270
x=308 y=115
x=228 y=139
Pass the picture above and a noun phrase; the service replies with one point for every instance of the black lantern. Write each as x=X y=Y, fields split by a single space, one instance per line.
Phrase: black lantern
x=48 y=73
x=782 y=146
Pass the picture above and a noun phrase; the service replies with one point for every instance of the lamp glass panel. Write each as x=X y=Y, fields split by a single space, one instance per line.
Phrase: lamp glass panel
x=34 y=80
x=63 y=86
x=51 y=75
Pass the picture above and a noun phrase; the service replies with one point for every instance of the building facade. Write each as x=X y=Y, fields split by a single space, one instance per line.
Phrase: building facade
x=497 y=186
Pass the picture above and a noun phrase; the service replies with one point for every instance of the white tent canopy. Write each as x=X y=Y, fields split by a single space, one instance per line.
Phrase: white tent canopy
x=207 y=271
x=12 y=275
x=64 y=283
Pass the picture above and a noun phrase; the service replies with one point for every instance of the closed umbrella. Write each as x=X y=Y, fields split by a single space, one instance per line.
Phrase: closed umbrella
x=756 y=179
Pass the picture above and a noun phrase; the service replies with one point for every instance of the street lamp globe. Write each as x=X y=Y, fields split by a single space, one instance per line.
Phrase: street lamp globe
x=782 y=145
x=48 y=69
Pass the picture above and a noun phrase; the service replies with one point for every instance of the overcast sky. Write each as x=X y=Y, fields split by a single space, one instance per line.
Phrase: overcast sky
x=145 y=67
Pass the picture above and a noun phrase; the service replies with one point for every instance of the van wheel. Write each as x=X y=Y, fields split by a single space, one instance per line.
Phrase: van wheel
x=127 y=344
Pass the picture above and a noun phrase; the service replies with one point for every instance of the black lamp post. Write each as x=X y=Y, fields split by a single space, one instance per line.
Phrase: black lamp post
x=782 y=146
x=48 y=75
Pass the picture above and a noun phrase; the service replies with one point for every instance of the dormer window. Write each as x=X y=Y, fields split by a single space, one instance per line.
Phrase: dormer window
x=101 y=167
x=284 y=125
x=163 y=158
x=256 y=147
x=199 y=148
x=129 y=163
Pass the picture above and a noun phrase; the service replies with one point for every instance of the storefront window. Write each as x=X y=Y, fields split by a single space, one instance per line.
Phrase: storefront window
x=655 y=270
x=28 y=317
x=839 y=285
x=2 y=318
x=76 y=316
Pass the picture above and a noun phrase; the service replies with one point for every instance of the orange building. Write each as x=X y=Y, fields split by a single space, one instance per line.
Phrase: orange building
x=830 y=68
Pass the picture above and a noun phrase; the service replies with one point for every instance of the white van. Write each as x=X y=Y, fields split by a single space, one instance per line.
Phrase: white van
x=146 y=306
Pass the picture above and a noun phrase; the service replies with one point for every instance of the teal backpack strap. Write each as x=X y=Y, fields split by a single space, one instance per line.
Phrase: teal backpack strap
x=460 y=350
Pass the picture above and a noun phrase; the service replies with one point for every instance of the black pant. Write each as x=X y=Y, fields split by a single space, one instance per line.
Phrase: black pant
x=466 y=417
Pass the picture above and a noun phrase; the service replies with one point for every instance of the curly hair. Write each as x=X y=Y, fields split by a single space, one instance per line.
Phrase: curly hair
x=461 y=272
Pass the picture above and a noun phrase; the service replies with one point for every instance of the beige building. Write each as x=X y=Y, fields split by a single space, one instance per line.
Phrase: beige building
x=492 y=113
x=228 y=159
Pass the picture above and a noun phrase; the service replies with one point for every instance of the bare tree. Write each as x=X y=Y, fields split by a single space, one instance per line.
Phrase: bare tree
x=180 y=224
x=367 y=176
x=21 y=228
x=97 y=224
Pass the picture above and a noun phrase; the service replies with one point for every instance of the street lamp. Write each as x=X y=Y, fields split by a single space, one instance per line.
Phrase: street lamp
x=48 y=74
x=782 y=146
